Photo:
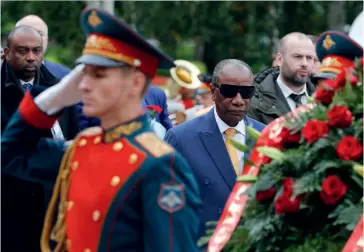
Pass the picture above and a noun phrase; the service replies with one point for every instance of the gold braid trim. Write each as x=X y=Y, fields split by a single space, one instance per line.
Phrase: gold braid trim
x=61 y=187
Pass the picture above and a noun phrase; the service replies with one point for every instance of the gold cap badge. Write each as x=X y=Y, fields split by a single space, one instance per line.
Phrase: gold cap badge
x=328 y=42
x=93 y=19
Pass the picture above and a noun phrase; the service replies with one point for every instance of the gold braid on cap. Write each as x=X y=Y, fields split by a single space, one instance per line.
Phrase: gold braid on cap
x=60 y=192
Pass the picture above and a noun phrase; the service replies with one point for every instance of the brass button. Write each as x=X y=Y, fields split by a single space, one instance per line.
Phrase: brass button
x=68 y=244
x=133 y=158
x=75 y=165
x=115 y=181
x=97 y=140
x=87 y=250
x=117 y=146
x=69 y=205
x=82 y=142
x=96 y=215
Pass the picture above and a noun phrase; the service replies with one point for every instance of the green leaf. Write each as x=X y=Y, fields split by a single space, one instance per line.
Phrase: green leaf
x=247 y=178
x=265 y=182
x=326 y=164
x=271 y=152
x=239 y=146
x=253 y=133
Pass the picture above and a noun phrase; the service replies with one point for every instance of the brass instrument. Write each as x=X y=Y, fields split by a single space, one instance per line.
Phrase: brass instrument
x=184 y=75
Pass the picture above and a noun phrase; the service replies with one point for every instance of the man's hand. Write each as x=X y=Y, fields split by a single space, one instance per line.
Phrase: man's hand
x=63 y=94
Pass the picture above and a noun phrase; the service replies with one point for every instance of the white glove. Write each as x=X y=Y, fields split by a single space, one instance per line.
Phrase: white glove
x=63 y=94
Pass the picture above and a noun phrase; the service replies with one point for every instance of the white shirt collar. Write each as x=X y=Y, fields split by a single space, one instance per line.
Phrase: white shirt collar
x=287 y=91
x=240 y=127
x=29 y=82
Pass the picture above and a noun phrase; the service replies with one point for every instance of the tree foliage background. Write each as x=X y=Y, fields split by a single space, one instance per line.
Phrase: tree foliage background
x=193 y=30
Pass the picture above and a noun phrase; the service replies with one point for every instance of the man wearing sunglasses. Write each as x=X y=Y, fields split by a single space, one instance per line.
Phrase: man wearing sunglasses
x=204 y=141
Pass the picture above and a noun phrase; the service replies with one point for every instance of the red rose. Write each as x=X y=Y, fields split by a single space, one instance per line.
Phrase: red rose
x=284 y=204
x=154 y=108
x=265 y=195
x=325 y=91
x=314 y=130
x=288 y=137
x=344 y=76
x=349 y=148
x=340 y=116
x=332 y=190
x=287 y=186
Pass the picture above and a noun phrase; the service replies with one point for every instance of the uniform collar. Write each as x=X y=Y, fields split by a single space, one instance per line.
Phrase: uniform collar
x=128 y=129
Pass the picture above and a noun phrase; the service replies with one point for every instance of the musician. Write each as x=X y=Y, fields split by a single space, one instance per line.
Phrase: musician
x=203 y=97
x=185 y=81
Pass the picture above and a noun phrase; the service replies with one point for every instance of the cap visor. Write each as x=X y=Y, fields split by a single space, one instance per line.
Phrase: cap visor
x=96 y=60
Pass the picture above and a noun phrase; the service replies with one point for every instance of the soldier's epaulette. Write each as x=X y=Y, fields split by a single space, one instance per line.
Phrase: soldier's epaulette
x=151 y=143
x=93 y=131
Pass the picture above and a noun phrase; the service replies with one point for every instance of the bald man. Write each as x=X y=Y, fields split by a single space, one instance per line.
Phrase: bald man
x=281 y=91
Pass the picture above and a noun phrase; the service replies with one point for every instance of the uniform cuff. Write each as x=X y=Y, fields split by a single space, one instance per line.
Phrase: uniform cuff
x=33 y=116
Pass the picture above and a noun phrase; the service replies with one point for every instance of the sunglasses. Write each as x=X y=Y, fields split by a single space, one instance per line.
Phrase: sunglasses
x=230 y=91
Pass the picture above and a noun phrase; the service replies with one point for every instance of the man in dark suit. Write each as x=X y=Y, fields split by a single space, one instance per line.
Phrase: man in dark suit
x=23 y=202
x=156 y=96
x=205 y=141
x=57 y=70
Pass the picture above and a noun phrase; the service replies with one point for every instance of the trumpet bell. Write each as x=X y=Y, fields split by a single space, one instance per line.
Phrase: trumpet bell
x=186 y=74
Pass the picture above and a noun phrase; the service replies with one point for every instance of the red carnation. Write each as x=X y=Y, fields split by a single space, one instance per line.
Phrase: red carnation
x=314 y=130
x=332 y=190
x=325 y=91
x=340 y=116
x=344 y=76
x=349 y=148
x=154 y=108
x=288 y=186
x=288 y=137
x=265 y=195
x=284 y=204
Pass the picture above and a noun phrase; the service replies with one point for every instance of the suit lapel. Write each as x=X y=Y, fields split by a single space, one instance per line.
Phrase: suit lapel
x=215 y=146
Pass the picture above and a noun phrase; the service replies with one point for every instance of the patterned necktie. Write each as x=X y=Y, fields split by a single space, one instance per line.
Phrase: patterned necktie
x=233 y=152
x=297 y=98
x=27 y=86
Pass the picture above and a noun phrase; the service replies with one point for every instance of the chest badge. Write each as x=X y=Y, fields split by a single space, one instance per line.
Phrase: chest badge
x=171 y=197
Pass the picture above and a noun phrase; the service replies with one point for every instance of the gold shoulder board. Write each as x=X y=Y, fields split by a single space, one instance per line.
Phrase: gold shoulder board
x=91 y=131
x=153 y=144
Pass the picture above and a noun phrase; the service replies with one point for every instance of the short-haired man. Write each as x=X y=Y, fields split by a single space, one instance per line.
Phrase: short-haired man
x=281 y=91
x=119 y=187
x=21 y=70
x=204 y=141
x=56 y=69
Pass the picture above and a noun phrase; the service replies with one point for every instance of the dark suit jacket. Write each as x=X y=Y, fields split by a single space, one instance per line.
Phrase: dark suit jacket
x=156 y=96
x=200 y=142
x=24 y=202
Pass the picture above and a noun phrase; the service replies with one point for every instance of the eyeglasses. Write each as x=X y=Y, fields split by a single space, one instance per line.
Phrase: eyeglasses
x=230 y=91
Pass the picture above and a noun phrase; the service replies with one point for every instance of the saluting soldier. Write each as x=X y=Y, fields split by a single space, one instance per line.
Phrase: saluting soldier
x=119 y=188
